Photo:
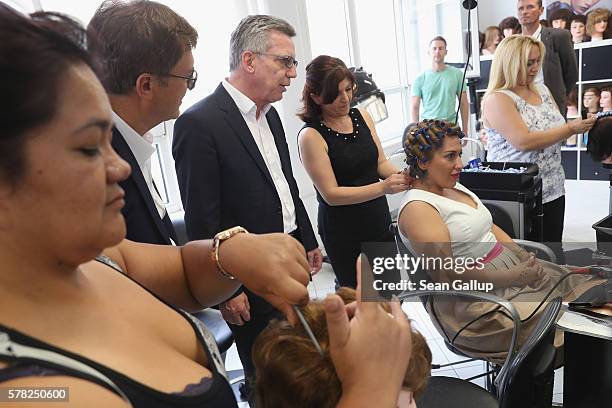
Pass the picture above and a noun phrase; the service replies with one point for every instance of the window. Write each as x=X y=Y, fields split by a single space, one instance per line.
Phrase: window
x=376 y=37
x=328 y=29
x=368 y=34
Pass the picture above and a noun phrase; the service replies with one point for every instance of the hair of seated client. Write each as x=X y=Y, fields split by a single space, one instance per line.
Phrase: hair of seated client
x=291 y=372
x=422 y=139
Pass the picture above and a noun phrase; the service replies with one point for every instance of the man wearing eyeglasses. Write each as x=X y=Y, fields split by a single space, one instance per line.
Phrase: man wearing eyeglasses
x=145 y=50
x=233 y=164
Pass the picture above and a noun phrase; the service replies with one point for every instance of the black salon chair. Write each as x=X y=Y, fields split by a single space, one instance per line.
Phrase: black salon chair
x=526 y=377
x=210 y=317
x=501 y=218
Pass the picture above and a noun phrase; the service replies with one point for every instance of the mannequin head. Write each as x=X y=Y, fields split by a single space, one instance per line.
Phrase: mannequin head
x=605 y=99
x=560 y=19
x=509 y=26
x=597 y=23
x=493 y=37
x=294 y=374
x=591 y=100
x=578 y=29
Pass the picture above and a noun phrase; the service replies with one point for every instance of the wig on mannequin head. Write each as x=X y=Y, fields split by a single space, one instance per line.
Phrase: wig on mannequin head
x=600 y=137
x=292 y=373
x=422 y=139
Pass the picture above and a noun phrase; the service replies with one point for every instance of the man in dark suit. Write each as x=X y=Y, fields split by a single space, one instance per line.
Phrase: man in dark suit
x=144 y=90
x=559 y=71
x=233 y=164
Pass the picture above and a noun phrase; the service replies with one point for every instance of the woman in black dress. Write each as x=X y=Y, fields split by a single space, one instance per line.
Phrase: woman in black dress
x=343 y=156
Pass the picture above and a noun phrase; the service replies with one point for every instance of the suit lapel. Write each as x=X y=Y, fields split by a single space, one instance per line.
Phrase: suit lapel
x=237 y=123
x=276 y=127
x=126 y=153
x=546 y=38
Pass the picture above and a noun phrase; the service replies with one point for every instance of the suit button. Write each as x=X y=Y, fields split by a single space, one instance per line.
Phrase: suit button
x=279 y=210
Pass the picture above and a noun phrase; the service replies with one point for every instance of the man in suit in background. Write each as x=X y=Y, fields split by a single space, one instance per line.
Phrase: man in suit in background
x=147 y=66
x=559 y=71
x=233 y=164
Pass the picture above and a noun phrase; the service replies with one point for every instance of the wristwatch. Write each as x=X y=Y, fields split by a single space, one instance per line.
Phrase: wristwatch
x=217 y=240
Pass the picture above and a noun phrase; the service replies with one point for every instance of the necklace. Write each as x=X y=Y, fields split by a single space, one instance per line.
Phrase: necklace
x=347 y=137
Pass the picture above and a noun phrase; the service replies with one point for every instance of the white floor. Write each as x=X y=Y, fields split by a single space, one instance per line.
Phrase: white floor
x=586 y=203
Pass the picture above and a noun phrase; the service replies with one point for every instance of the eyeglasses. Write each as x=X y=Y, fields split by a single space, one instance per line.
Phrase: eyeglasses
x=191 y=80
x=287 y=60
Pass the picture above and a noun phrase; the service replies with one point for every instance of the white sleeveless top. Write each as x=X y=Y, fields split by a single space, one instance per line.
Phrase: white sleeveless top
x=537 y=118
x=469 y=228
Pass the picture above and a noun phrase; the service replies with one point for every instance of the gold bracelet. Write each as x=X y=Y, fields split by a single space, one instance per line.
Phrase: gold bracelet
x=217 y=240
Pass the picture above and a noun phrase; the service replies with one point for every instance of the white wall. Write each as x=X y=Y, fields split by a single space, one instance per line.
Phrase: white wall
x=491 y=12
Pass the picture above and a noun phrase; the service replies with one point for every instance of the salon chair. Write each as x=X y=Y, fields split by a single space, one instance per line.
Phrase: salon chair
x=526 y=377
x=210 y=317
x=524 y=380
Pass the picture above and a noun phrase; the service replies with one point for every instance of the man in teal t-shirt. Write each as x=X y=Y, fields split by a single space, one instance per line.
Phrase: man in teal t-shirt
x=438 y=88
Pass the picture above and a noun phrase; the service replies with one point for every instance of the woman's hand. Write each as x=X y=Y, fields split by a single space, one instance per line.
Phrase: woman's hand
x=578 y=126
x=529 y=271
x=273 y=266
x=370 y=352
x=396 y=183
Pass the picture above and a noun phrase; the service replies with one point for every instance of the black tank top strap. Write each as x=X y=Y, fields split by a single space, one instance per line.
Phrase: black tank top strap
x=28 y=356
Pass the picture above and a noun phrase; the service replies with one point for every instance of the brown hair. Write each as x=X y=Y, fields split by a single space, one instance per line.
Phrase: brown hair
x=578 y=17
x=291 y=372
x=572 y=98
x=491 y=34
x=599 y=14
x=438 y=38
x=561 y=14
x=422 y=139
x=599 y=145
x=596 y=91
x=137 y=37
x=510 y=22
x=323 y=75
x=605 y=89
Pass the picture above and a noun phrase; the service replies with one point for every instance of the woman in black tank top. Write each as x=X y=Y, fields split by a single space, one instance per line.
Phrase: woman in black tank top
x=343 y=156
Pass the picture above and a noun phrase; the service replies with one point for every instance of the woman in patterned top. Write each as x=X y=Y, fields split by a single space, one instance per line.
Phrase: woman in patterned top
x=524 y=124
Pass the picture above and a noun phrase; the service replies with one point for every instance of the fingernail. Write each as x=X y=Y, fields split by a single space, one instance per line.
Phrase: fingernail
x=331 y=304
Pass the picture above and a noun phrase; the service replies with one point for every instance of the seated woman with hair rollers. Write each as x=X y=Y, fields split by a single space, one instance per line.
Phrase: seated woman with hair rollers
x=441 y=218
x=112 y=328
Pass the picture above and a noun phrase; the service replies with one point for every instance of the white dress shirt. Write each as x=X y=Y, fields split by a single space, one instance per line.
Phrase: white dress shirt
x=142 y=148
x=260 y=130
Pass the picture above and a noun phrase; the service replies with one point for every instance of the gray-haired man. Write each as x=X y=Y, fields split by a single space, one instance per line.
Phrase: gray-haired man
x=233 y=164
